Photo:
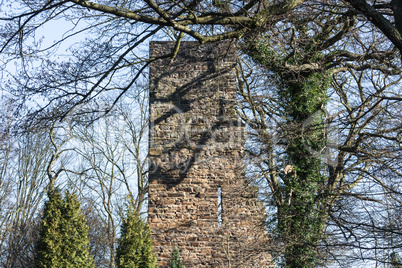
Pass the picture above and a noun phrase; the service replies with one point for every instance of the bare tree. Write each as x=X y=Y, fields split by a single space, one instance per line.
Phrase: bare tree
x=112 y=57
x=113 y=157
x=23 y=180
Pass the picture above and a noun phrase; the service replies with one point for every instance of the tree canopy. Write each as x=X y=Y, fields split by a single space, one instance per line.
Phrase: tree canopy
x=105 y=40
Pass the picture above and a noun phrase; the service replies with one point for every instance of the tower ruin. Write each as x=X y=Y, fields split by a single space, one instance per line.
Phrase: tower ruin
x=199 y=198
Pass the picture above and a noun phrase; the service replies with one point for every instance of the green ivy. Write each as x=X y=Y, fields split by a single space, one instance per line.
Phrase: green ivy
x=396 y=261
x=301 y=217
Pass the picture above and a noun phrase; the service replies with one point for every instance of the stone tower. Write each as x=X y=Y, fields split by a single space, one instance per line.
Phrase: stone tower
x=199 y=199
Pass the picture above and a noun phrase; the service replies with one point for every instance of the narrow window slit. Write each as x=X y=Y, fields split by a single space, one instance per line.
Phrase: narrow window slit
x=220 y=208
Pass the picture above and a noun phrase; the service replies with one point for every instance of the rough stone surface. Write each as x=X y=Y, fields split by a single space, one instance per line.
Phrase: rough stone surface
x=199 y=199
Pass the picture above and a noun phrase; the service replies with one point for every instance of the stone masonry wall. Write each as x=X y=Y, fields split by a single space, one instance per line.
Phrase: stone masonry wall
x=199 y=199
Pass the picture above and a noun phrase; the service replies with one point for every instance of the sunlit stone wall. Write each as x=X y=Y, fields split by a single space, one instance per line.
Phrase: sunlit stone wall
x=199 y=199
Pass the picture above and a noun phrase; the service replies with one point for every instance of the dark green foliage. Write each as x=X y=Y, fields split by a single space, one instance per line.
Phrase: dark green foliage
x=396 y=261
x=135 y=244
x=176 y=263
x=302 y=209
x=63 y=238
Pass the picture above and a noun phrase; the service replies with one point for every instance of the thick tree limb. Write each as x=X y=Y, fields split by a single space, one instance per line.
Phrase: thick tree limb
x=378 y=20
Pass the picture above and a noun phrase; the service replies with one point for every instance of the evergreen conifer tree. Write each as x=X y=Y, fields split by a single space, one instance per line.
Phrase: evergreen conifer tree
x=176 y=263
x=135 y=248
x=63 y=238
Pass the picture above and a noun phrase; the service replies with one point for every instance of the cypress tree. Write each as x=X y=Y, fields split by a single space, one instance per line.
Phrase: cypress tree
x=176 y=263
x=135 y=244
x=63 y=238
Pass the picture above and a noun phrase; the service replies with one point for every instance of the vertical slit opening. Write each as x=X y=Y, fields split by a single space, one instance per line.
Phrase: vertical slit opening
x=220 y=209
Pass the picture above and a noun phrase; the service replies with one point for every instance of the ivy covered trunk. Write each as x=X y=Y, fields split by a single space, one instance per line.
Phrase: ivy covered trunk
x=302 y=214
x=300 y=197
